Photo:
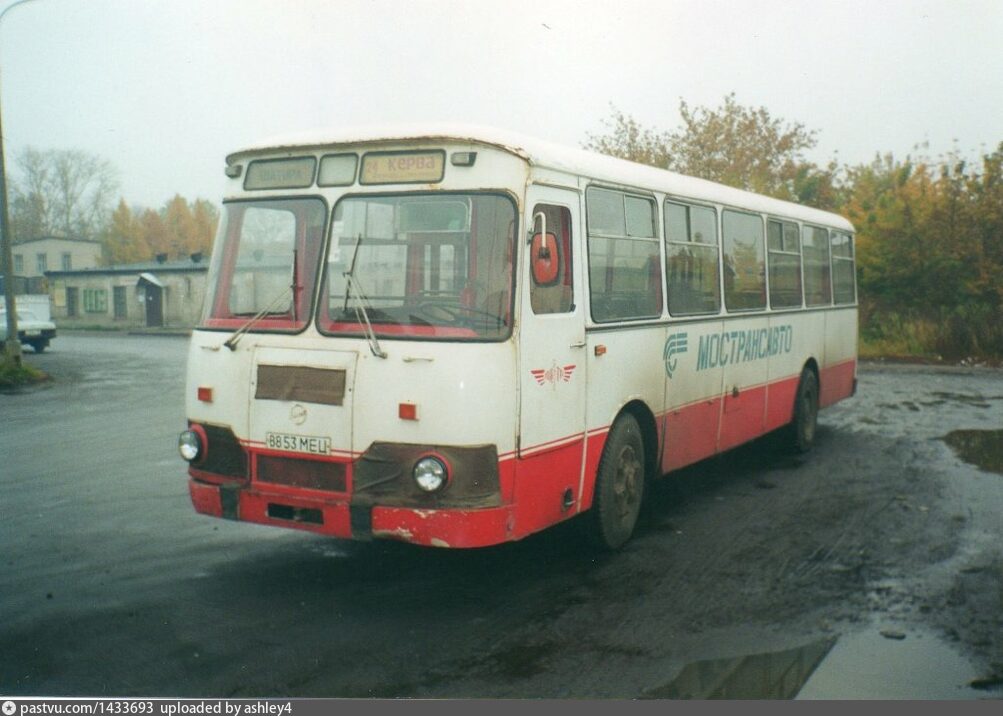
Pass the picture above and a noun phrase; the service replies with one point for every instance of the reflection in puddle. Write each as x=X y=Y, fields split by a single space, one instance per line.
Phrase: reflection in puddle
x=773 y=675
x=869 y=665
x=982 y=448
x=872 y=664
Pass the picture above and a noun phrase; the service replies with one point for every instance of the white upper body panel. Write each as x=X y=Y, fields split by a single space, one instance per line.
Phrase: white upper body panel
x=547 y=155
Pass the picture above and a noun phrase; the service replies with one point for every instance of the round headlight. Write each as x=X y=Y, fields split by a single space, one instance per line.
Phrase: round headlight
x=430 y=474
x=190 y=445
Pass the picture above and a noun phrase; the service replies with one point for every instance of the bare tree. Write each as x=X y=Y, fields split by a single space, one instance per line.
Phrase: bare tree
x=61 y=192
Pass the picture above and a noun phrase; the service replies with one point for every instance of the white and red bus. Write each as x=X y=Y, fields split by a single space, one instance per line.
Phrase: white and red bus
x=458 y=337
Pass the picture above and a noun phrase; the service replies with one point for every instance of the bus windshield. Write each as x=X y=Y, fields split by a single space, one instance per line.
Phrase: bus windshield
x=265 y=264
x=420 y=265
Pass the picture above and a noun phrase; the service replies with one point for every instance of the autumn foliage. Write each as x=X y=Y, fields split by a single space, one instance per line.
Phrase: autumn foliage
x=929 y=232
x=178 y=229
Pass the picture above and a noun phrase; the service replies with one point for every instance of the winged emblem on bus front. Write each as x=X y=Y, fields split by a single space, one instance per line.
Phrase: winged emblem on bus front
x=554 y=374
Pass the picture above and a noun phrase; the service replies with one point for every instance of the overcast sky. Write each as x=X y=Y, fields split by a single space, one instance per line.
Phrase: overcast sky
x=165 y=89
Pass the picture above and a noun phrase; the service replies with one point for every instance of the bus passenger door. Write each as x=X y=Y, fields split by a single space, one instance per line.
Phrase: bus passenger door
x=552 y=364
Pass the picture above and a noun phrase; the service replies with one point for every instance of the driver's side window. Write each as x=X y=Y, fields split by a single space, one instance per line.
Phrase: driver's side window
x=551 y=282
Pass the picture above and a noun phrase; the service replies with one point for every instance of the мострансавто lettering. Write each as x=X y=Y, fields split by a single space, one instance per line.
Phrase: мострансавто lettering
x=720 y=349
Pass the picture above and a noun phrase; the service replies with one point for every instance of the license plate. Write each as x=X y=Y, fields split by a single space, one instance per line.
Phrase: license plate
x=298 y=443
x=33 y=332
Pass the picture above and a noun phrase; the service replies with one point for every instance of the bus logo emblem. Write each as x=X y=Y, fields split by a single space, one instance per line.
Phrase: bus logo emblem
x=554 y=375
x=298 y=414
x=674 y=345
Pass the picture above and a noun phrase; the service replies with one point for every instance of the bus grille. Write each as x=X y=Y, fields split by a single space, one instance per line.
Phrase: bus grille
x=309 y=474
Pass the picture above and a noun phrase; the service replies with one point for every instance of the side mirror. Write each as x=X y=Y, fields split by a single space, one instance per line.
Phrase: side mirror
x=545 y=260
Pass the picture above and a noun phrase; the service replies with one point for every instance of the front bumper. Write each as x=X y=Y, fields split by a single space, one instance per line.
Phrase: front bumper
x=446 y=527
x=373 y=496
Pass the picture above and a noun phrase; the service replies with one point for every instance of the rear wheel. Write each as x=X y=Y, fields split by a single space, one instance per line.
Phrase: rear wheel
x=39 y=346
x=620 y=484
x=802 y=429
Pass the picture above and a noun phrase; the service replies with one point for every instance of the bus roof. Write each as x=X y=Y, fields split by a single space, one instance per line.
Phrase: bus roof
x=540 y=153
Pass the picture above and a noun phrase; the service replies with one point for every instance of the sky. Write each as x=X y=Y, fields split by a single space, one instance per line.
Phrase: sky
x=166 y=89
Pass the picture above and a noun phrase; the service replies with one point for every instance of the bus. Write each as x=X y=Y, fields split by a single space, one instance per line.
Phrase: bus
x=457 y=337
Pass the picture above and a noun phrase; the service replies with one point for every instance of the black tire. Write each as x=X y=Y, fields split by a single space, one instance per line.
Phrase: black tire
x=620 y=483
x=40 y=346
x=801 y=432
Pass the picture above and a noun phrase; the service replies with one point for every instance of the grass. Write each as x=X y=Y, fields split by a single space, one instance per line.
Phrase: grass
x=958 y=334
x=13 y=376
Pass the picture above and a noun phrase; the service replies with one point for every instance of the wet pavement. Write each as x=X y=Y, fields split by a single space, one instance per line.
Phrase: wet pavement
x=871 y=568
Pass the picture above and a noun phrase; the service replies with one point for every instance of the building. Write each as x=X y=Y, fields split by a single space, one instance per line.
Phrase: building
x=154 y=294
x=33 y=258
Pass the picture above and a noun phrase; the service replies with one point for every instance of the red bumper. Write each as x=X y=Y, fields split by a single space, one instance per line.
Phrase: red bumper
x=432 y=528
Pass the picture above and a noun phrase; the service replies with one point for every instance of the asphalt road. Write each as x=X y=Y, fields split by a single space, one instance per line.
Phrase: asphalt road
x=878 y=557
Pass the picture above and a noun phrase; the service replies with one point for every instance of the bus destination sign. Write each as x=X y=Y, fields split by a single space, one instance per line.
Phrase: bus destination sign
x=293 y=173
x=402 y=167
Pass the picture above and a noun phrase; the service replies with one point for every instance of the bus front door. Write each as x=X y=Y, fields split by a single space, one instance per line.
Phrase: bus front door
x=552 y=365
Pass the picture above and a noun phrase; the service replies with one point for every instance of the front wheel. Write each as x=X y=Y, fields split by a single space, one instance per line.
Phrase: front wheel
x=802 y=429
x=619 y=488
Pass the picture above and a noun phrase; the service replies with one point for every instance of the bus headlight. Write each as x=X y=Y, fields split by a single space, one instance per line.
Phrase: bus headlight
x=430 y=474
x=191 y=445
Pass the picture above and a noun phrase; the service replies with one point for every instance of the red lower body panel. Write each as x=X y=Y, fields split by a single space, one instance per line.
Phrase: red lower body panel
x=690 y=433
x=535 y=489
x=837 y=382
x=780 y=403
x=541 y=481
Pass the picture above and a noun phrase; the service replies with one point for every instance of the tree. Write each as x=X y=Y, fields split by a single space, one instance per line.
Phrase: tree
x=191 y=226
x=627 y=139
x=930 y=251
x=205 y=218
x=61 y=192
x=155 y=232
x=123 y=239
x=178 y=229
x=180 y=226
x=744 y=147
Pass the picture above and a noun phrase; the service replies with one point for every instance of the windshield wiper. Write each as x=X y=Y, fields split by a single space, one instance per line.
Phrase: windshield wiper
x=232 y=341
x=361 y=315
x=294 y=288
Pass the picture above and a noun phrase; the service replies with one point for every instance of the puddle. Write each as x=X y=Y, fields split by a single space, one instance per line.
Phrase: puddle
x=879 y=663
x=896 y=665
x=982 y=448
x=771 y=675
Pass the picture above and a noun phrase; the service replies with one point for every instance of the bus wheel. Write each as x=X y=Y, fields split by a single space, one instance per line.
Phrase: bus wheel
x=619 y=485
x=802 y=428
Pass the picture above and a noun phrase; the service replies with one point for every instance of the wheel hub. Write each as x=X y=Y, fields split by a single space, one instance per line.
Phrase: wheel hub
x=625 y=487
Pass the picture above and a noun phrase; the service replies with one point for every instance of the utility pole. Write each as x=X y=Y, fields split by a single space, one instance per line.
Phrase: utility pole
x=12 y=346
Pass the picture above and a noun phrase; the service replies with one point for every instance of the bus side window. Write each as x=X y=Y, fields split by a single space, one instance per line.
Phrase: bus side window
x=554 y=293
x=691 y=269
x=625 y=281
x=744 y=261
x=784 y=249
x=841 y=255
x=815 y=249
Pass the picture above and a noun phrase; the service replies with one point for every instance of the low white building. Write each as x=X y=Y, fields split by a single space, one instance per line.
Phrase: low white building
x=153 y=294
x=37 y=256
